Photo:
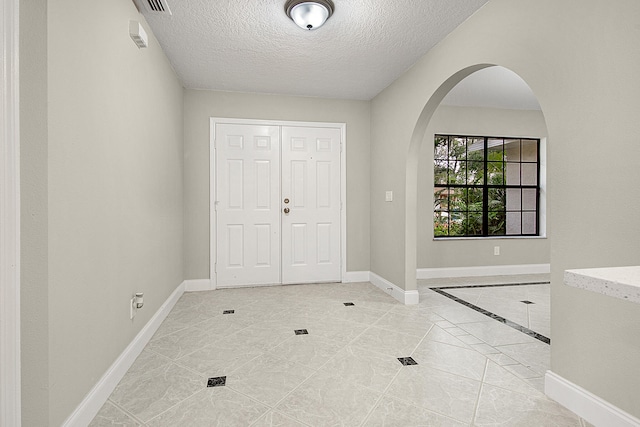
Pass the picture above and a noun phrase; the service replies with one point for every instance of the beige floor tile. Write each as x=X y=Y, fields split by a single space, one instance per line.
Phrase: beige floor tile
x=323 y=401
x=496 y=333
x=459 y=314
x=181 y=343
x=381 y=341
x=442 y=335
x=485 y=349
x=363 y=367
x=358 y=314
x=339 y=331
x=500 y=407
x=150 y=393
x=452 y=359
x=413 y=324
x=500 y=377
x=522 y=371
x=220 y=358
x=268 y=379
x=110 y=415
x=394 y=413
x=276 y=419
x=308 y=350
x=534 y=355
x=438 y=391
x=212 y=407
x=501 y=359
x=147 y=361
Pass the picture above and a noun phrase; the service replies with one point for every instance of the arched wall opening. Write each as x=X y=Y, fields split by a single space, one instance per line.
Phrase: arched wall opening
x=444 y=255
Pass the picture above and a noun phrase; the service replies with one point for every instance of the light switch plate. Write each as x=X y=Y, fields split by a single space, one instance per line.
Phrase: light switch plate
x=388 y=197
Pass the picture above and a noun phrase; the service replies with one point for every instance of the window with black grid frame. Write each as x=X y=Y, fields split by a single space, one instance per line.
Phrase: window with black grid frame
x=486 y=186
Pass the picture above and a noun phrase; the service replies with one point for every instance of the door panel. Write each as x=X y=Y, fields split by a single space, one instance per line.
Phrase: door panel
x=311 y=181
x=248 y=206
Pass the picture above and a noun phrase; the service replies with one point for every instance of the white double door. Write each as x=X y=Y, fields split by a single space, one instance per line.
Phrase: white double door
x=277 y=204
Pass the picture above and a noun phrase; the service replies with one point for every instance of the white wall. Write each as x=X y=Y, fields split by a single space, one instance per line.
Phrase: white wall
x=103 y=184
x=200 y=106
x=580 y=59
x=474 y=252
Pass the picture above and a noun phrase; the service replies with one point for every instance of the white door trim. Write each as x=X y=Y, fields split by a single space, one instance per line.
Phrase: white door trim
x=212 y=184
x=9 y=218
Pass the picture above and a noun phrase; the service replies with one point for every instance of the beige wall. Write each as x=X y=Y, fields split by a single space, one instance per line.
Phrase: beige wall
x=103 y=177
x=200 y=106
x=580 y=60
x=473 y=252
x=34 y=289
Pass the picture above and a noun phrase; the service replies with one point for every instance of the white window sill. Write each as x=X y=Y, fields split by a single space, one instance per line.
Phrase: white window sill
x=444 y=239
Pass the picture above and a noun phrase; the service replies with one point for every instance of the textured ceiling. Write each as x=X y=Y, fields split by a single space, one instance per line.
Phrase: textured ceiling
x=252 y=46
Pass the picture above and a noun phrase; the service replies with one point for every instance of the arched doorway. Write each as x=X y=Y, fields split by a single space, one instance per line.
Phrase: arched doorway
x=499 y=97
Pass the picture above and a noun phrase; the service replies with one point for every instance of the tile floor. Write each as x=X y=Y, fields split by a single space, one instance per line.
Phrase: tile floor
x=347 y=370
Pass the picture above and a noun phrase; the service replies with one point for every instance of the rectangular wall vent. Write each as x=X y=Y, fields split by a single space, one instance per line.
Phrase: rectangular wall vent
x=153 y=6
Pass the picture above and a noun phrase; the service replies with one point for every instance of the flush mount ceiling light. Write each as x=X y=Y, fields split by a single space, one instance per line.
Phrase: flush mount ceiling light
x=309 y=15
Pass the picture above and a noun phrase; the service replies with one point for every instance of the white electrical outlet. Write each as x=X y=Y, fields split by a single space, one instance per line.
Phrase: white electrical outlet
x=496 y=250
x=132 y=308
x=388 y=196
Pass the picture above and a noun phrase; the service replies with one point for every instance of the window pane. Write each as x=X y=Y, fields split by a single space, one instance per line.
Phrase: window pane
x=475 y=149
x=497 y=223
x=457 y=148
x=512 y=150
x=440 y=199
x=529 y=150
x=475 y=199
x=513 y=173
x=495 y=173
x=496 y=151
x=513 y=223
x=528 y=223
x=529 y=199
x=440 y=169
x=473 y=224
x=475 y=173
x=458 y=199
x=514 y=199
x=440 y=224
x=529 y=174
x=457 y=172
x=496 y=200
x=441 y=150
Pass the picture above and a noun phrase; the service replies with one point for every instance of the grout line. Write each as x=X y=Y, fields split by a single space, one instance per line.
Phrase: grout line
x=482 y=383
x=125 y=411
x=382 y=396
x=173 y=406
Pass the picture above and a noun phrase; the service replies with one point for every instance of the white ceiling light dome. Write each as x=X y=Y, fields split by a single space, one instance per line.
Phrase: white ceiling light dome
x=309 y=15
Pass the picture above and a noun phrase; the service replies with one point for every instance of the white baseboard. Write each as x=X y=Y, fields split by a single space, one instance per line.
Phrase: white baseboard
x=405 y=297
x=198 y=285
x=93 y=401
x=485 y=270
x=585 y=404
x=356 y=276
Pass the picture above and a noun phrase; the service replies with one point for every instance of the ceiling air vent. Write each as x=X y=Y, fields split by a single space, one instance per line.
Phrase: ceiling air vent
x=153 y=6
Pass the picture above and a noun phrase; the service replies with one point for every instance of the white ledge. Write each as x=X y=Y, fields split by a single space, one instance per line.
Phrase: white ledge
x=618 y=282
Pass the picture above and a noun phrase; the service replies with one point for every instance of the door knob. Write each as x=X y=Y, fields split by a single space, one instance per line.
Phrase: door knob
x=286 y=210
x=286 y=201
